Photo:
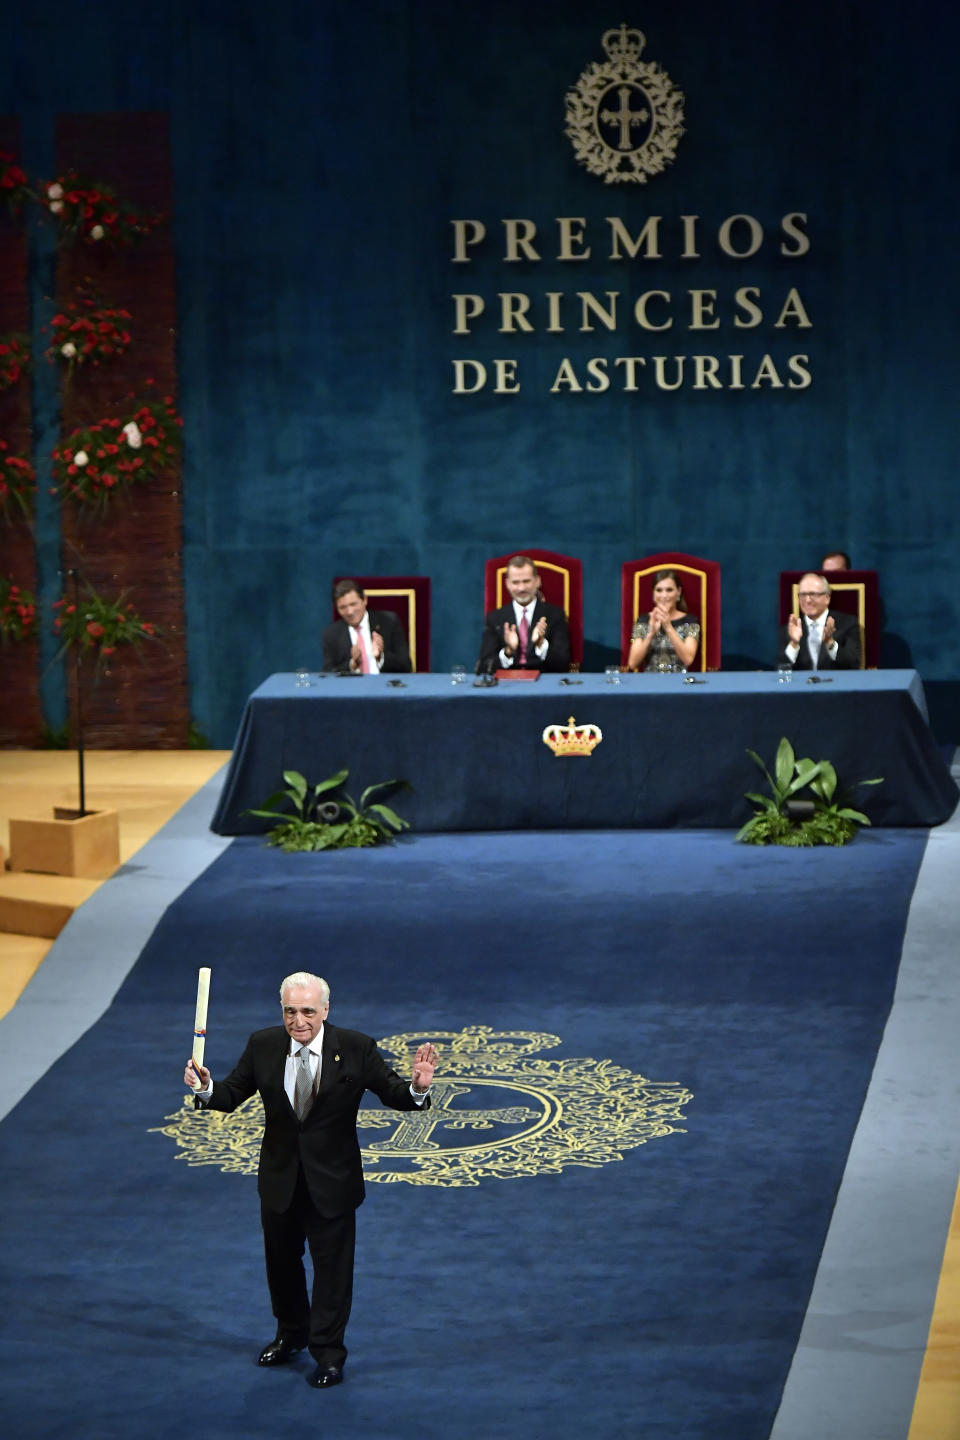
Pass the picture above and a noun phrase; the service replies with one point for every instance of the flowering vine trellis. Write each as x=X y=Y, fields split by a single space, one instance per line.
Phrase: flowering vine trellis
x=14 y=359
x=139 y=441
x=96 y=461
x=18 y=611
x=14 y=187
x=94 y=622
x=88 y=331
x=17 y=483
x=90 y=211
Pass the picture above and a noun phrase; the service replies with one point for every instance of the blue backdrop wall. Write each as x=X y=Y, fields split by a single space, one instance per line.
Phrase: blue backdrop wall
x=322 y=152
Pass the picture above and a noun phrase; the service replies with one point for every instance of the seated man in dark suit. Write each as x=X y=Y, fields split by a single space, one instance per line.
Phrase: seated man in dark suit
x=819 y=638
x=526 y=634
x=362 y=641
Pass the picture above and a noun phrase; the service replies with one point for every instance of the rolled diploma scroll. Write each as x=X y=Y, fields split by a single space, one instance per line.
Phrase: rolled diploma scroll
x=200 y=1022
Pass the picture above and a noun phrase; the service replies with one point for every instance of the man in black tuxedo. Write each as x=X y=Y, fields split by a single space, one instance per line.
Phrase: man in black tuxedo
x=362 y=641
x=819 y=638
x=528 y=633
x=311 y=1078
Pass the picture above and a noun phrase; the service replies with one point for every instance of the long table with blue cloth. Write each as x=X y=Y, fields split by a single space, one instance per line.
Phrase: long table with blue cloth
x=673 y=752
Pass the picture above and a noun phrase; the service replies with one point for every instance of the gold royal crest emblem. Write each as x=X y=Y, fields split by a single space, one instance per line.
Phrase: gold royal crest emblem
x=574 y=739
x=500 y=1111
x=624 y=115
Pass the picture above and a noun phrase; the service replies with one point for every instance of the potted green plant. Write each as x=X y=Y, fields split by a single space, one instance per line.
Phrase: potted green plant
x=325 y=817
x=784 y=818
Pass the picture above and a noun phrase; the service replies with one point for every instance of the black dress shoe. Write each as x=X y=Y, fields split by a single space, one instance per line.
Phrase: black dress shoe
x=325 y=1375
x=281 y=1350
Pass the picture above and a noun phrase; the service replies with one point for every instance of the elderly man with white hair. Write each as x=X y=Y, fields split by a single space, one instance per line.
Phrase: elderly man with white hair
x=819 y=638
x=311 y=1077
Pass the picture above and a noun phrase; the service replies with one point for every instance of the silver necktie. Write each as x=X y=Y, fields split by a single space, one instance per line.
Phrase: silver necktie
x=303 y=1088
x=813 y=642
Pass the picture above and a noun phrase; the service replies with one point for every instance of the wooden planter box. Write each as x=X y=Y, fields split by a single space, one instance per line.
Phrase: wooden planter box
x=69 y=844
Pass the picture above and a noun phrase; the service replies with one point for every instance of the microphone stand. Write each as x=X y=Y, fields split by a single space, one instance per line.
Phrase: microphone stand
x=485 y=677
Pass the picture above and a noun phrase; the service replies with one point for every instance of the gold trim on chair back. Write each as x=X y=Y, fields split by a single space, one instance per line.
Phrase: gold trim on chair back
x=410 y=595
x=699 y=610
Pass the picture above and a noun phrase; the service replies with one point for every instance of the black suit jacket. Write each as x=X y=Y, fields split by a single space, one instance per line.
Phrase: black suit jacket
x=325 y=1144
x=847 y=636
x=396 y=655
x=558 y=634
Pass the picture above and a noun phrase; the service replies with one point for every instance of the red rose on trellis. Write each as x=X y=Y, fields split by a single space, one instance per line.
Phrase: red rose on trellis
x=17 y=483
x=90 y=211
x=18 y=611
x=14 y=359
x=97 y=624
x=14 y=188
x=97 y=460
x=88 y=331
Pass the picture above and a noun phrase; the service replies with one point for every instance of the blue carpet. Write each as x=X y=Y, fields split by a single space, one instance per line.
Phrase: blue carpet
x=657 y=1295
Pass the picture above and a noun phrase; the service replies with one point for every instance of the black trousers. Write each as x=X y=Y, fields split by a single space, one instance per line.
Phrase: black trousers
x=321 y=1322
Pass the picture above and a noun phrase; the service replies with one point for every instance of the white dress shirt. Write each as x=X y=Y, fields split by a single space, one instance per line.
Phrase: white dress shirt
x=815 y=635
x=360 y=635
x=539 y=650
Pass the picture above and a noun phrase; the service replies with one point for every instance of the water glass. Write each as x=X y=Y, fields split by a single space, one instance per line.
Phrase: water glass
x=784 y=674
x=301 y=678
x=612 y=673
x=458 y=675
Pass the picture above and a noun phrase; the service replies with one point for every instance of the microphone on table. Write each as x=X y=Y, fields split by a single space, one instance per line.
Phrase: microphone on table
x=485 y=676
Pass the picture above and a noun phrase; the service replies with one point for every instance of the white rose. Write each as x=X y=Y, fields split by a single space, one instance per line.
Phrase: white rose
x=56 y=206
x=132 y=432
x=55 y=191
x=68 y=350
x=81 y=458
x=97 y=232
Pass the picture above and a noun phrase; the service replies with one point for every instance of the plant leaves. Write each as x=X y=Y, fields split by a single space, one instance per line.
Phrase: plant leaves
x=763 y=801
x=331 y=782
x=757 y=761
x=383 y=785
x=784 y=765
x=297 y=784
x=391 y=816
x=802 y=780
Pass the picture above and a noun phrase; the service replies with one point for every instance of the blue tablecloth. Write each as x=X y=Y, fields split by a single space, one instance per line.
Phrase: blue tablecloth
x=673 y=752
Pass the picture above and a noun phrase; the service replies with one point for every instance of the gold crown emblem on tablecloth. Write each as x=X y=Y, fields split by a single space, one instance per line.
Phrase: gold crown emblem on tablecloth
x=572 y=739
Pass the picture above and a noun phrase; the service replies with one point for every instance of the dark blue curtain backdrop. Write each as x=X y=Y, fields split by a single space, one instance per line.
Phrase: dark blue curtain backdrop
x=322 y=149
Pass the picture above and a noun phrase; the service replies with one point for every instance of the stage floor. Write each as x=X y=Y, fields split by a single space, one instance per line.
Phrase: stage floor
x=147 y=789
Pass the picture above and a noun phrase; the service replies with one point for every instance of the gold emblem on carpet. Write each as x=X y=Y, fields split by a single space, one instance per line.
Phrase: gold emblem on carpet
x=500 y=1111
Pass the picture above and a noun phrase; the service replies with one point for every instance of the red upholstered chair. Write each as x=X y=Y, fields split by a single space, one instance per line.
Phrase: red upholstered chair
x=853 y=592
x=561 y=581
x=407 y=596
x=701 y=589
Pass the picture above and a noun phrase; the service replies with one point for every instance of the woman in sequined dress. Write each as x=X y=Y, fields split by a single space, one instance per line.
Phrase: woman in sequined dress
x=667 y=638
